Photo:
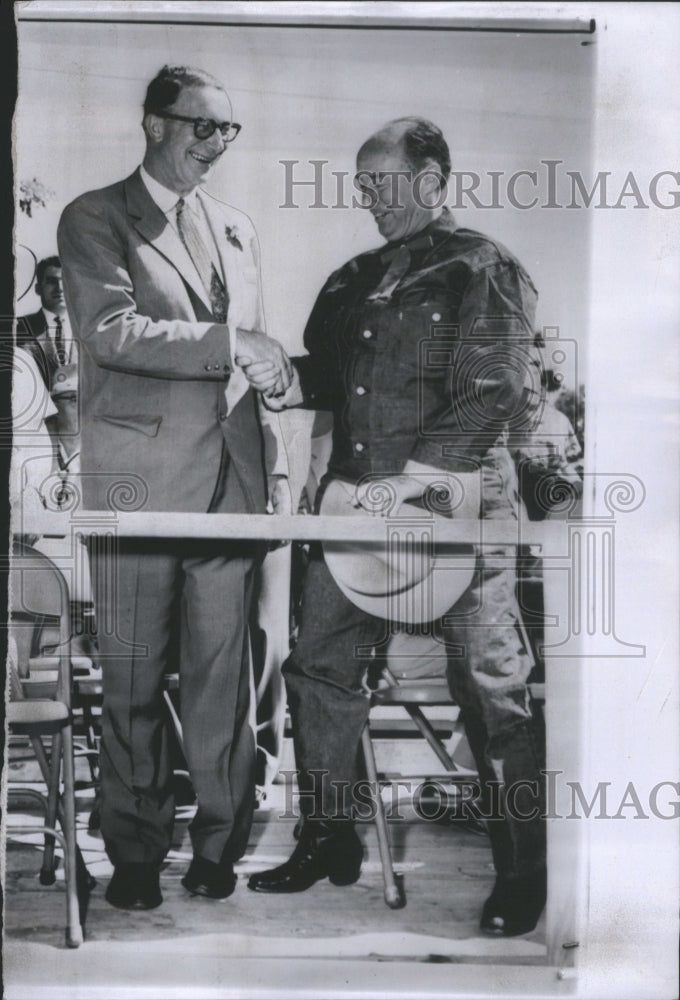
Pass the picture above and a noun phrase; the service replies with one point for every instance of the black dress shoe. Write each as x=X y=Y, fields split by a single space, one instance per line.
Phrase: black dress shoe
x=206 y=878
x=324 y=850
x=134 y=887
x=515 y=905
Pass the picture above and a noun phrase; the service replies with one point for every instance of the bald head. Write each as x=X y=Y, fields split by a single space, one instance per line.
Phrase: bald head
x=390 y=138
x=402 y=171
x=417 y=141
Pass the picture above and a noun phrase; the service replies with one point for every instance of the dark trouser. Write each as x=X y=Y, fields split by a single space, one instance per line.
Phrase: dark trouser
x=163 y=605
x=487 y=669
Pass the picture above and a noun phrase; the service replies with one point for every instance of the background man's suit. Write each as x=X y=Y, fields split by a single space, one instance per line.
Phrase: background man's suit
x=32 y=336
x=169 y=423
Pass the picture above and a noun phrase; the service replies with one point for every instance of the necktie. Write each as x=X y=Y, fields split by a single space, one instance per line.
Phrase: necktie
x=197 y=250
x=59 y=341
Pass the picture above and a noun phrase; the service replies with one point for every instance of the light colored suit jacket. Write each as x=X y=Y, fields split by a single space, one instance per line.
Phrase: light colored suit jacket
x=159 y=390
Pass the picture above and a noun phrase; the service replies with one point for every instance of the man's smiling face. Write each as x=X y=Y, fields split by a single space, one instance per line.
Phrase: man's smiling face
x=183 y=160
x=386 y=177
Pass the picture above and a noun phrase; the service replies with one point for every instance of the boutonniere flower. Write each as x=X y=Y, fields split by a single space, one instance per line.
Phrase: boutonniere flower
x=232 y=237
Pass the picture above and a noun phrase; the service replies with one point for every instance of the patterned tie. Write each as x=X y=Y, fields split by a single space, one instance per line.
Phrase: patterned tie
x=59 y=341
x=197 y=250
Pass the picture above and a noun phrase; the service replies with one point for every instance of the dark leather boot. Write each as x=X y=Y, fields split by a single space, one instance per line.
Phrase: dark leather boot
x=134 y=887
x=326 y=849
x=515 y=904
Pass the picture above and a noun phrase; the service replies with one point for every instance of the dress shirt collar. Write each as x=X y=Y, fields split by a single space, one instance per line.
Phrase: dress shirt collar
x=51 y=321
x=164 y=197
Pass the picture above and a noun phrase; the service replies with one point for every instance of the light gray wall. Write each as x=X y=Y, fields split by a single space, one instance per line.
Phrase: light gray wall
x=504 y=101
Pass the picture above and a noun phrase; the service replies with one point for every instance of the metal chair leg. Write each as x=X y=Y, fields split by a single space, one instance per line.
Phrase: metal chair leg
x=81 y=878
x=394 y=889
x=91 y=739
x=74 y=931
x=47 y=874
x=174 y=718
x=85 y=881
x=51 y=772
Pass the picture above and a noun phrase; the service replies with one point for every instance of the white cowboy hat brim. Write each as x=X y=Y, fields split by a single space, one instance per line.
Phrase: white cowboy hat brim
x=408 y=583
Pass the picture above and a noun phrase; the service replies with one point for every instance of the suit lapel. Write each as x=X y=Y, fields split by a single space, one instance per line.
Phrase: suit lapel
x=37 y=323
x=153 y=226
x=231 y=259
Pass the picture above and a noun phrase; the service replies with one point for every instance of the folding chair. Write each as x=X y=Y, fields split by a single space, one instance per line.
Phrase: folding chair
x=39 y=707
x=412 y=697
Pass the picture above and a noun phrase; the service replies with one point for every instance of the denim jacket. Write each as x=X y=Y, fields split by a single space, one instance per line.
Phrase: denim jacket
x=421 y=353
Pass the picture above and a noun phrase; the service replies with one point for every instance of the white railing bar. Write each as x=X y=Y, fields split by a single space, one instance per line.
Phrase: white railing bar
x=151 y=524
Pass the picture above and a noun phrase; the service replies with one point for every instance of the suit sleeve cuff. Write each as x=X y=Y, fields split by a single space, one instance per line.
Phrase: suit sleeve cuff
x=217 y=362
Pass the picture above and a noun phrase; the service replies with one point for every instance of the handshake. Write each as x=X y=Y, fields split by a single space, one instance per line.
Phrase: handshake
x=268 y=369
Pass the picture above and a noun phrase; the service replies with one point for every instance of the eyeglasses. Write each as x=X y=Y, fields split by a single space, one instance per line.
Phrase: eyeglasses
x=205 y=127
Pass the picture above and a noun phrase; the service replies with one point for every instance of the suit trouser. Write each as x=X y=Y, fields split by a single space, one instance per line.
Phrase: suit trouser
x=487 y=669
x=159 y=602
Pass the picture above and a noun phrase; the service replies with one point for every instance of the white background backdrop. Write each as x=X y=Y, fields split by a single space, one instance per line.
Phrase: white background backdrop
x=88 y=134
x=504 y=102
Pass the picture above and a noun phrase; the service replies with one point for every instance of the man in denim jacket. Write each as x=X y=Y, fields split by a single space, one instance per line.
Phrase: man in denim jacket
x=420 y=350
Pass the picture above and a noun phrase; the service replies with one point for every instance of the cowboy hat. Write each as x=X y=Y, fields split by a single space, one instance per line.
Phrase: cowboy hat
x=403 y=579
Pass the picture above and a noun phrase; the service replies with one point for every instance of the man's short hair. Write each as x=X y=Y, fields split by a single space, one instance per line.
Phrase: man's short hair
x=424 y=141
x=169 y=82
x=42 y=266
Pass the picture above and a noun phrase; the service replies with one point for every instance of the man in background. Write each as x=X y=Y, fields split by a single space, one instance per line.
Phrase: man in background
x=47 y=332
x=46 y=335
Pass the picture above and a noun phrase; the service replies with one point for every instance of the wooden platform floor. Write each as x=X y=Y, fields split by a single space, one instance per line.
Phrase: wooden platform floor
x=447 y=873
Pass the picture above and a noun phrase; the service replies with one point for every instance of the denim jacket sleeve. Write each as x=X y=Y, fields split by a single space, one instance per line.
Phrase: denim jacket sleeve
x=494 y=338
x=321 y=369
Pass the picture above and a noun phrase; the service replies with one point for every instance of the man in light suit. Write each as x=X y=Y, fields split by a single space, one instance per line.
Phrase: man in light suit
x=162 y=285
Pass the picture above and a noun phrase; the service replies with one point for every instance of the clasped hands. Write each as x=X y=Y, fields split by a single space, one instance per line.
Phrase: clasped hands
x=268 y=368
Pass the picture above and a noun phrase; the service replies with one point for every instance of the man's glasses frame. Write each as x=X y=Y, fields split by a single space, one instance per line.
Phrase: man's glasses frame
x=205 y=127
